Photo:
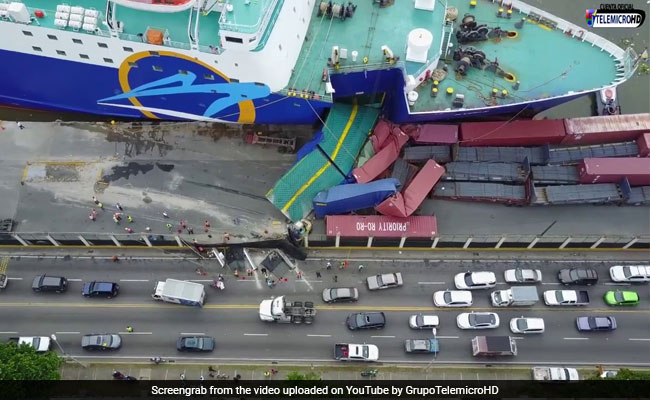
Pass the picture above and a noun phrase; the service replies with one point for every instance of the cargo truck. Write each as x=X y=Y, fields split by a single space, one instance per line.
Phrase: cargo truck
x=356 y=352
x=555 y=374
x=180 y=292
x=566 y=297
x=279 y=310
x=494 y=346
x=515 y=296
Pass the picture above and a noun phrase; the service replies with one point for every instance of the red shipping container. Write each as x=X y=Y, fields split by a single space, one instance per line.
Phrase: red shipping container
x=613 y=170
x=605 y=129
x=381 y=226
x=643 y=142
x=515 y=133
x=435 y=134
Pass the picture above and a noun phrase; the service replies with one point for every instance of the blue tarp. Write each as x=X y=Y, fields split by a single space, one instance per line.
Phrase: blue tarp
x=345 y=198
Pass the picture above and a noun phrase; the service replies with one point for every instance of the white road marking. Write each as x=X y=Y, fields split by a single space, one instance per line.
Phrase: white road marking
x=201 y=280
x=192 y=334
x=639 y=339
x=136 y=333
x=319 y=335
x=383 y=337
x=256 y=334
x=307 y=281
x=134 y=280
x=501 y=283
x=576 y=338
x=15 y=279
x=431 y=283
x=517 y=337
x=617 y=284
x=551 y=283
x=67 y=333
x=8 y=333
x=448 y=337
x=74 y=280
x=244 y=280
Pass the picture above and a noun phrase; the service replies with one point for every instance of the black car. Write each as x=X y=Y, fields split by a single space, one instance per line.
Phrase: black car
x=195 y=343
x=46 y=283
x=104 y=341
x=366 y=320
x=104 y=289
x=578 y=276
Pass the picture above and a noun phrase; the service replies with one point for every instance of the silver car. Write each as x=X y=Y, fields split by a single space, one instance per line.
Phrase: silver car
x=337 y=295
x=385 y=281
x=522 y=275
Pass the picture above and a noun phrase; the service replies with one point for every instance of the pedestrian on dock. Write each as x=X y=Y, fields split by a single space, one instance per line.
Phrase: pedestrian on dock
x=116 y=220
x=100 y=205
x=20 y=125
x=190 y=231
x=91 y=216
x=206 y=224
x=226 y=236
x=117 y=216
x=119 y=206
x=95 y=200
x=329 y=266
x=94 y=212
x=318 y=275
x=183 y=224
x=361 y=267
x=336 y=278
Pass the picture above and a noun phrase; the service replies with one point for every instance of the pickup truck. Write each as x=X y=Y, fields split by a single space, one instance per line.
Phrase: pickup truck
x=566 y=297
x=515 y=296
x=356 y=352
x=39 y=343
x=557 y=374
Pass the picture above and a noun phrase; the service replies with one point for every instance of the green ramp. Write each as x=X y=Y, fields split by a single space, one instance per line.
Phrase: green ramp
x=344 y=132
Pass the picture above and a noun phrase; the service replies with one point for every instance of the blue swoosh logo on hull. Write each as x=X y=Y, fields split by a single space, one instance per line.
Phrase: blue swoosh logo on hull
x=235 y=92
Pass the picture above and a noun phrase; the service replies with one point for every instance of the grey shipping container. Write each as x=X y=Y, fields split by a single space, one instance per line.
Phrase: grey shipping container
x=599 y=193
x=486 y=172
x=555 y=174
x=574 y=155
x=484 y=192
x=535 y=155
x=440 y=154
x=403 y=172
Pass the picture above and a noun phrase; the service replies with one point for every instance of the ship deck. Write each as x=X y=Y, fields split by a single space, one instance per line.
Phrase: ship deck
x=546 y=61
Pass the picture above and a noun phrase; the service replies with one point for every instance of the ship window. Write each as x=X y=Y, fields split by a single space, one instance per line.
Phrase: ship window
x=233 y=80
x=133 y=64
x=108 y=60
x=234 y=39
x=28 y=33
x=209 y=77
x=130 y=50
x=236 y=65
x=52 y=37
x=251 y=39
x=280 y=47
x=157 y=68
x=102 y=45
x=182 y=72
x=60 y=52
x=77 y=41
x=84 y=56
x=36 y=48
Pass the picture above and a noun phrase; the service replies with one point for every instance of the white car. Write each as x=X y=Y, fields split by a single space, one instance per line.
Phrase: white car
x=40 y=343
x=475 y=280
x=453 y=298
x=419 y=321
x=522 y=275
x=630 y=273
x=527 y=325
x=477 y=320
x=385 y=281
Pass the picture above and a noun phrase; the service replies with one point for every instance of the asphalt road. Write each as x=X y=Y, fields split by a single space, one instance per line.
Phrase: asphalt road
x=231 y=315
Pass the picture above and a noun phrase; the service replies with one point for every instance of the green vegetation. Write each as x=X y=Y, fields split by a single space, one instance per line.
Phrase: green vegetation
x=625 y=374
x=23 y=363
x=297 y=376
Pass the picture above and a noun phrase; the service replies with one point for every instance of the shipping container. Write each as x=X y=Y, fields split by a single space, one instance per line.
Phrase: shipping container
x=482 y=192
x=535 y=155
x=555 y=174
x=514 y=133
x=601 y=193
x=420 y=154
x=406 y=203
x=612 y=170
x=403 y=172
x=420 y=226
x=380 y=162
x=428 y=134
x=380 y=134
x=574 y=155
x=346 y=198
x=605 y=129
x=643 y=143
x=486 y=172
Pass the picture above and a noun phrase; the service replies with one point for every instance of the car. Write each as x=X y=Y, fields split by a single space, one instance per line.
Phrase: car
x=522 y=275
x=621 y=298
x=366 y=320
x=101 y=341
x=421 y=346
x=385 y=281
x=475 y=280
x=593 y=324
x=452 y=298
x=195 y=343
x=527 y=325
x=105 y=289
x=477 y=320
x=47 y=283
x=40 y=343
x=419 y=321
x=336 y=295
x=630 y=273
x=609 y=374
x=577 y=276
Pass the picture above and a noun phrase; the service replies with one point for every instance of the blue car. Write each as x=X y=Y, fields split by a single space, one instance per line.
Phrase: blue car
x=103 y=289
x=421 y=345
x=594 y=324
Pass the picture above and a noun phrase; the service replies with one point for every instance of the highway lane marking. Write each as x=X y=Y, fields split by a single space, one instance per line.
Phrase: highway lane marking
x=383 y=337
x=319 y=335
x=617 y=284
x=639 y=339
x=448 y=337
x=201 y=280
x=8 y=333
x=576 y=338
x=306 y=281
x=518 y=337
x=74 y=280
x=320 y=308
x=551 y=283
x=256 y=334
x=135 y=333
x=431 y=283
x=68 y=333
x=192 y=333
x=15 y=279
x=134 y=280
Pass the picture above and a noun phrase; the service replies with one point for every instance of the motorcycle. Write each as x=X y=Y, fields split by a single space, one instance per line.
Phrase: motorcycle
x=369 y=373
x=218 y=283
x=158 y=360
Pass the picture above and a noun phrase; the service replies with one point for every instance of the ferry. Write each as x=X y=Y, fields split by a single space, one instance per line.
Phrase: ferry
x=289 y=61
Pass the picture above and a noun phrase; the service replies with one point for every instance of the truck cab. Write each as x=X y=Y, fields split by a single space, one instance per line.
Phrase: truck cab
x=356 y=352
x=494 y=346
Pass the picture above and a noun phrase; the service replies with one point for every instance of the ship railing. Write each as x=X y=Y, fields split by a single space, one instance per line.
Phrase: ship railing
x=366 y=67
x=305 y=94
x=265 y=14
x=569 y=28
